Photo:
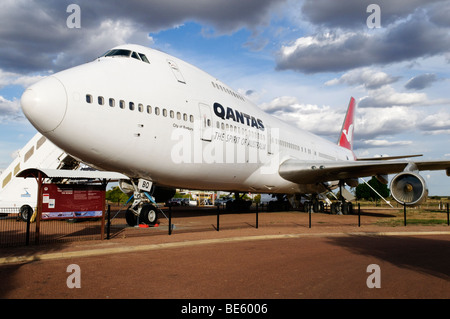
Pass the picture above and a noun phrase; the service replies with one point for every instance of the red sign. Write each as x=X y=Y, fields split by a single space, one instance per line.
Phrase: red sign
x=72 y=201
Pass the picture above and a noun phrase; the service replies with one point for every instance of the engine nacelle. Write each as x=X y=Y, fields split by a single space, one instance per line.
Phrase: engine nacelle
x=409 y=188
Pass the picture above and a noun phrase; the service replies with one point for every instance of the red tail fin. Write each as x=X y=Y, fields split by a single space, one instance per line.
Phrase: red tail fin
x=346 y=137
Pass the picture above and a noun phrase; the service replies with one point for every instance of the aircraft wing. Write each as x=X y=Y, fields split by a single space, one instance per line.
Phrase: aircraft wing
x=311 y=172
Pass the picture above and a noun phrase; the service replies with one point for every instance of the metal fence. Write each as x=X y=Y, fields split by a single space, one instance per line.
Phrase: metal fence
x=15 y=232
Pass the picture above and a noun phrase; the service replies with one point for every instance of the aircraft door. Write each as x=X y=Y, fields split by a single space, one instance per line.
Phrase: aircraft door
x=206 y=122
x=176 y=71
x=269 y=140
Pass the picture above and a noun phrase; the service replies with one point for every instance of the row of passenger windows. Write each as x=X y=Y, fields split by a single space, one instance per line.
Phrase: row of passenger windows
x=288 y=145
x=178 y=115
x=141 y=108
x=236 y=129
x=226 y=90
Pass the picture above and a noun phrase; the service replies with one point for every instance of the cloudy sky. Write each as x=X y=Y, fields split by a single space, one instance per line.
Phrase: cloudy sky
x=298 y=60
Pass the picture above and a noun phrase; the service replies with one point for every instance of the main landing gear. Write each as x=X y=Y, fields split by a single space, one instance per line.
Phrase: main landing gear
x=336 y=208
x=239 y=203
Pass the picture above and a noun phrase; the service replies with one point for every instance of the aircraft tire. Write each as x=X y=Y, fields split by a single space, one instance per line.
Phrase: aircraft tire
x=148 y=215
x=131 y=218
x=347 y=209
x=334 y=208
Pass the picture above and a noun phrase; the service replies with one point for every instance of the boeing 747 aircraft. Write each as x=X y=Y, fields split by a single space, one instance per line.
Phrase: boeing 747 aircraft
x=167 y=124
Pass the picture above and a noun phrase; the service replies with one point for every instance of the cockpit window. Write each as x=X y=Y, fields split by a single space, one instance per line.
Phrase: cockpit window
x=126 y=54
x=119 y=52
x=143 y=58
x=134 y=55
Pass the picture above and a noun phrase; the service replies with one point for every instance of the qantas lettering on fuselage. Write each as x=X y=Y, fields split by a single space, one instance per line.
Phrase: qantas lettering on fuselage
x=235 y=115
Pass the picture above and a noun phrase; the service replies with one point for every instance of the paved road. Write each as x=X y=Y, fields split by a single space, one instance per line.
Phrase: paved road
x=278 y=266
x=283 y=260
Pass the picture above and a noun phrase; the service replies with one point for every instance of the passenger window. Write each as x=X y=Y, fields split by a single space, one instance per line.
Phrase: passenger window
x=131 y=105
x=172 y=114
x=122 y=104
x=156 y=110
x=88 y=98
x=140 y=107
x=149 y=109
x=164 y=112
x=178 y=116
x=112 y=102
x=100 y=100
x=192 y=119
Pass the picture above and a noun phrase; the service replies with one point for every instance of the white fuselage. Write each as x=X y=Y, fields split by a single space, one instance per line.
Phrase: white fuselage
x=171 y=123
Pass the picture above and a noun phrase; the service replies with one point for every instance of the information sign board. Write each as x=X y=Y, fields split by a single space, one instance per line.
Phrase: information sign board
x=64 y=201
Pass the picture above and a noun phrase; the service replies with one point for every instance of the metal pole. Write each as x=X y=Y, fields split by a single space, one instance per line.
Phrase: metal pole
x=218 y=213
x=359 y=215
x=448 y=220
x=309 y=210
x=170 y=219
x=40 y=180
x=108 y=225
x=256 y=215
x=27 y=241
x=404 y=214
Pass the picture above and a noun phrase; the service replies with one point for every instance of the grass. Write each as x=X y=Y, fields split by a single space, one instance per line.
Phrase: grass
x=416 y=216
x=394 y=222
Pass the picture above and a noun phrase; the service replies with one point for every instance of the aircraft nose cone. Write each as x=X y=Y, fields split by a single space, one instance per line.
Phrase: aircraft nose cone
x=45 y=103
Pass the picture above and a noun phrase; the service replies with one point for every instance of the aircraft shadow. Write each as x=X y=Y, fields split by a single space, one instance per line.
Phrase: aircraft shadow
x=426 y=255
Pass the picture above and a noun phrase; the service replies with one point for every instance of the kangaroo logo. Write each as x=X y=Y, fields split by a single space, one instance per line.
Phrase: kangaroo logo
x=349 y=134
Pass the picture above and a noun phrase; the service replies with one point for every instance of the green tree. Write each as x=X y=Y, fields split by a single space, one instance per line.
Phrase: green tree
x=365 y=192
x=115 y=195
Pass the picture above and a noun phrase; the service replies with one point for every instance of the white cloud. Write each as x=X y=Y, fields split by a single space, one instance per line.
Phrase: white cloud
x=385 y=143
x=387 y=96
x=10 y=109
x=367 y=77
x=12 y=78
x=342 y=41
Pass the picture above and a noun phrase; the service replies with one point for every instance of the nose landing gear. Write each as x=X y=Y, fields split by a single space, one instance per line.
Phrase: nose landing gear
x=143 y=210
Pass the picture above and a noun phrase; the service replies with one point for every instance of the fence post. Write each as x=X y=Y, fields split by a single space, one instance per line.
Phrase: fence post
x=218 y=213
x=404 y=214
x=29 y=214
x=256 y=215
x=309 y=210
x=170 y=219
x=359 y=215
x=448 y=220
x=108 y=225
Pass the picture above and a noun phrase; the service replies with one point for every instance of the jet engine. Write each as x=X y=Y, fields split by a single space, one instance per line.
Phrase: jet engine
x=409 y=188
